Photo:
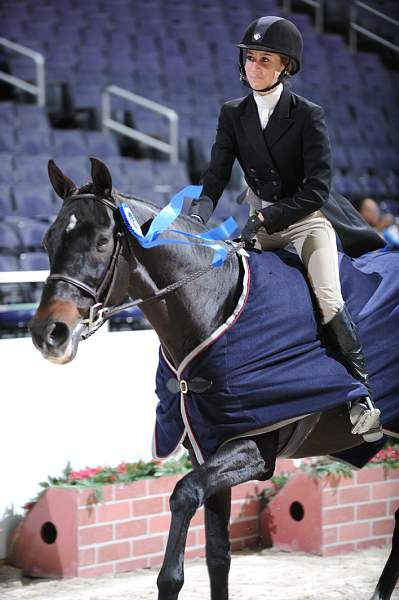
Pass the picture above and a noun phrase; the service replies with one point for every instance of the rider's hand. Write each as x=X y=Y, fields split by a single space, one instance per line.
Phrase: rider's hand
x=201 y=209
x=250 y=230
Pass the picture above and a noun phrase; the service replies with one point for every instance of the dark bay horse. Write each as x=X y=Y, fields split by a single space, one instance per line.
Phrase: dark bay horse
x=94 y=260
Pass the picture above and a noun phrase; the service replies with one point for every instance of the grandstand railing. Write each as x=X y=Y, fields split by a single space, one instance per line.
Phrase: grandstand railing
x=318 y=5
x=38 y=90
x=23 y=276
x=355 y=28
x=172 y=148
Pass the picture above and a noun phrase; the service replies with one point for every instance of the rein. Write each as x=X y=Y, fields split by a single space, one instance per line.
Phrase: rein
x=99 y=313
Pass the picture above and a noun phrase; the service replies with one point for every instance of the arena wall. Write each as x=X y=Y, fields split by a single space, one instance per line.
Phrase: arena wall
x=98 y=409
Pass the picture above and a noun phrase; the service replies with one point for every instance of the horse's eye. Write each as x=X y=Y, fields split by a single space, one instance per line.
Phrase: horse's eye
x=101 y=243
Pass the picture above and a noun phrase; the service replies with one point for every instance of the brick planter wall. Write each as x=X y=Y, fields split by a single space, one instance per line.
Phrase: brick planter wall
x=327 y=517
x=128 y=530
x=69 y=533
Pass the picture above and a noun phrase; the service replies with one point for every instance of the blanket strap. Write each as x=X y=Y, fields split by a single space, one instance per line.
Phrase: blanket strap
x=197 y=385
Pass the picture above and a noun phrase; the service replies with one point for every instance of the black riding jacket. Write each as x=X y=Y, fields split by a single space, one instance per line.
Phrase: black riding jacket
x=288 y=163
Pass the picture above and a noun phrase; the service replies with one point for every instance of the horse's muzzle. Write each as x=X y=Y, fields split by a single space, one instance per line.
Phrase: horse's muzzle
x=56 y=335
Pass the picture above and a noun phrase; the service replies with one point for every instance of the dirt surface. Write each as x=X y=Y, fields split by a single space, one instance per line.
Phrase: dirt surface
x=265 y=575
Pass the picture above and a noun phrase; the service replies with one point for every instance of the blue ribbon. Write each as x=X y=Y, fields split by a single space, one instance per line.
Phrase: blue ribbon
x=166 y=217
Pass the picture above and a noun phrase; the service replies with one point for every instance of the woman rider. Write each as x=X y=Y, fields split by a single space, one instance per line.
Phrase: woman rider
x=281 y=142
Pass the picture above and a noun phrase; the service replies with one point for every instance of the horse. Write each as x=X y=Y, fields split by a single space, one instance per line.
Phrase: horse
x=94 y=263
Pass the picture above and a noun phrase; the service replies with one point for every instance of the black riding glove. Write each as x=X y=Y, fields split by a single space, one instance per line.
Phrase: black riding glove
x=250 y=230
x=202 y=208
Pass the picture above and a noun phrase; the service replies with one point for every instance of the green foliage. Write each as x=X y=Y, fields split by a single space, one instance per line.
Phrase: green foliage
x=124 y=473
x=327 y=468
x=277 y=483
x=388 y=457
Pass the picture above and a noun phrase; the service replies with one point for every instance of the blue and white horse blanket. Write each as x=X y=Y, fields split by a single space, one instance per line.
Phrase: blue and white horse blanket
x=267 y=363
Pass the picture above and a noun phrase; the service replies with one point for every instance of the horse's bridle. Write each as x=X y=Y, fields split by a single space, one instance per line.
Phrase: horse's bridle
x=102 y=293
x=99 y=312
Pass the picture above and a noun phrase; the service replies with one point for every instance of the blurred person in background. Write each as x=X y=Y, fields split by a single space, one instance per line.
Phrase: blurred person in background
x=281 y=142
x=385 y=224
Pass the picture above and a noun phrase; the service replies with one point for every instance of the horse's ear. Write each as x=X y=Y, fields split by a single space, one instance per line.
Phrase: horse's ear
x=63 y=186
x=101 y=177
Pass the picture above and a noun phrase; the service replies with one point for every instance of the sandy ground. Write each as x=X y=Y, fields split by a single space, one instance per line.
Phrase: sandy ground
x=265 y=575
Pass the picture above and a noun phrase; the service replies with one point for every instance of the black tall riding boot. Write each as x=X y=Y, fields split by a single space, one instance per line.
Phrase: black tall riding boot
x=364 y=416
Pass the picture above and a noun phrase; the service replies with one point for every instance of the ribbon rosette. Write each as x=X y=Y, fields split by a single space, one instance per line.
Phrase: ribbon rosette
x=169 y=214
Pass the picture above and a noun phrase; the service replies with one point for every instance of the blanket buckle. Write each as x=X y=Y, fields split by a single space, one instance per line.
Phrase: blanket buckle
x=183 y=386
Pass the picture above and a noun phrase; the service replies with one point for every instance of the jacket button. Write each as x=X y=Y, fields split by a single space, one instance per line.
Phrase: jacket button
x=272 y=171
x=258 y=192
x=252 y=170
x=275 y=197
x=274 y=183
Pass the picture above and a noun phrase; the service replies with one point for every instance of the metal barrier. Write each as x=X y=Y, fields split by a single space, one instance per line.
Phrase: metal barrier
x=318 y=5
x=355 y=28
x=135 y=134
x=39 y=89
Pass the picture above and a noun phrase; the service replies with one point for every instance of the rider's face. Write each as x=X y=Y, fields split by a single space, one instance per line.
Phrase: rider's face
x=262 y=68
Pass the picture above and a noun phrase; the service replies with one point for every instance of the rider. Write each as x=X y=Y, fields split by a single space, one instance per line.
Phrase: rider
x=281 y=142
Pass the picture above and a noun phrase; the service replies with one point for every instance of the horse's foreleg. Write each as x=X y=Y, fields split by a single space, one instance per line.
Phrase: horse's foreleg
x=390 y=574
x=234 y=463
x=217 y=516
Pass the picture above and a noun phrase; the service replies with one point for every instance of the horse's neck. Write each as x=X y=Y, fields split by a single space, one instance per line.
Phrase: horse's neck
x=186 y=317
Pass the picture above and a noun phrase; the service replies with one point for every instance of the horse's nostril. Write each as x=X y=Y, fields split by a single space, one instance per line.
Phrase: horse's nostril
x=58 y=334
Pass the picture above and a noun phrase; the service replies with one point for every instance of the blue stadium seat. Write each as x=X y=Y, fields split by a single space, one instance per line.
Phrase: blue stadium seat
x=34 y=261
x=76 y=168
x=9 y=240
x=32 y=142
x=350 y=135
x=340 y=159
x=8 y=142
x=32 y=169
x=7 y=112
x=34 y=201
x=30 y=233
x=140 y=173
x=387 y=159
x=9 y=263
x=117 y=169
x=101 y=145
x=32 y=117
x=6 y=205
x=362 y=158
x=7 y=170
x=171 y=174
x=70 y=143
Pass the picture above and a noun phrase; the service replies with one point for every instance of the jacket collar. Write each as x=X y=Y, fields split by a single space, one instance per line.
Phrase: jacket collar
x=279 y=122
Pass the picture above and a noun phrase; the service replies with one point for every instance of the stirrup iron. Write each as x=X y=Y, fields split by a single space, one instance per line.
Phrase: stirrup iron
x=365 y=418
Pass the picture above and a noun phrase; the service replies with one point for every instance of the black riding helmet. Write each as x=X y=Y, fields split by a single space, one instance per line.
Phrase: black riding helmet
x=273 y=34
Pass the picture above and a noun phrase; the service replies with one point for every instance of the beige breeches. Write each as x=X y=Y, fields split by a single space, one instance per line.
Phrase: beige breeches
x=315 y=243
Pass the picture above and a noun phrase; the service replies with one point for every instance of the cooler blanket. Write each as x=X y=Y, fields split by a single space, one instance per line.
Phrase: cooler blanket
x=267 y=363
